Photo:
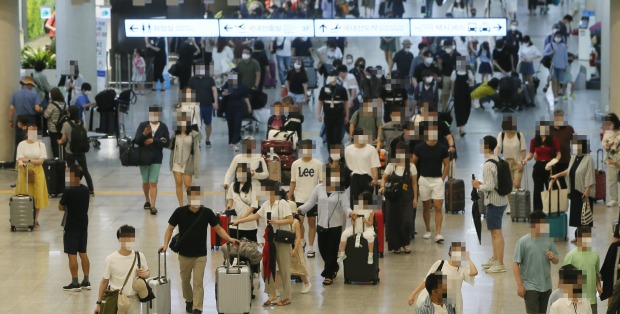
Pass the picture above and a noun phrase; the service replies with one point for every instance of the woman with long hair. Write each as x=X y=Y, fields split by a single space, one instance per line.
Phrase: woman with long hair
x=242 y=199
x=484 y=54
x=610 y=138
x=544 y=149
x=222 y=57
x=527 y=54
x=185 y=154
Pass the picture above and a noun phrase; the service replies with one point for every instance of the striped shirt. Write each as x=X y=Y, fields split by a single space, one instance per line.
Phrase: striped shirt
x=429 y=308
x=490 y=185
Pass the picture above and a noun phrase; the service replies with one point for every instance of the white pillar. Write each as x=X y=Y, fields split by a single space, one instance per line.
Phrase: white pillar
x=75 y=38
x=9 y=72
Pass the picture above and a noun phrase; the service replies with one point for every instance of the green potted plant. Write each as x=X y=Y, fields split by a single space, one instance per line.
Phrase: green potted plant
x=31 y=55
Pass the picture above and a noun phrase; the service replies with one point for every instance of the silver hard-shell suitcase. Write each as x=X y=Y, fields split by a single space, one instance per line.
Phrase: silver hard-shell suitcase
x=233 y=287
x=161 y=288
x=520 y=202
x=21 y=207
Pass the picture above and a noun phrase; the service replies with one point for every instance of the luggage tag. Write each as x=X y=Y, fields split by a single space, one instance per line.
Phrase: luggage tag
x=358 y=237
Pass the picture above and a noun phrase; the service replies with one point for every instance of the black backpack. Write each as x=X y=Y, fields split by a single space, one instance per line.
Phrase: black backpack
x=504 y=177
x=63 y=116
x=79 y=139
x=106 y=101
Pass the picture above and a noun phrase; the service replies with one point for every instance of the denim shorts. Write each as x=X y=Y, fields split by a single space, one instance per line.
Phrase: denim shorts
x=558 y=74
x=299 y=98
x=494 y=216
x=206 y=114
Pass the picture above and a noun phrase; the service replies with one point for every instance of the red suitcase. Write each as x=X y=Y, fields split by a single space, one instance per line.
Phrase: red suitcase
x=216 y=241
x=287 y=161
x=380 y=224
x=279 y=147
x=600 y=177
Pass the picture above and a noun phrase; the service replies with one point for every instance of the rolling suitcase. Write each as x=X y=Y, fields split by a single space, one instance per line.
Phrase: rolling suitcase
x=454 y=193
x=380 y=228
x=161 y=288
x=558 y=223
x=233 y=288
x=520 y=202
x=279 y=147
x=600 y=178
x=272 y=82
x=55 y=174
x=356 y=267
x=21 y=207
x=216 y=240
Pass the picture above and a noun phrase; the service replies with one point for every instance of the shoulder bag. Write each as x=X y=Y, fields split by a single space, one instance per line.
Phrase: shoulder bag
x=284 y=236
x=586 y=212
x=113 y=299
x=176 y=240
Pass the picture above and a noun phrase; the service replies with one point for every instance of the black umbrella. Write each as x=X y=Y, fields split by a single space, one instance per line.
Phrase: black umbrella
x=475 y=213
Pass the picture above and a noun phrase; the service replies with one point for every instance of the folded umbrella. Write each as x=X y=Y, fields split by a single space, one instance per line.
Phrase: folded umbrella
x=475 y=213
x=269 y=255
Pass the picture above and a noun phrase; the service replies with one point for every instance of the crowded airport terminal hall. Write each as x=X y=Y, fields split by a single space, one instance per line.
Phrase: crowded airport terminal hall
x=310 y=156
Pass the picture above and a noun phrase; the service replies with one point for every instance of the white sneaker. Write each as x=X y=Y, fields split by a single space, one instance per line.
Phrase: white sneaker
x=370 y=259
x=508 y=211
x=427 y=235
x=489 y=263
x=306 y=288
x=439 y=239
x=341 y=257
x=612 y=204
x=497 y=268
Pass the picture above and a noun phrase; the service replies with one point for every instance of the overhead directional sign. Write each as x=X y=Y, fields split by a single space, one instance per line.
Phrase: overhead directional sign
x=266 y=28
x=361 y=27
x=171 y=28
x=458 y=27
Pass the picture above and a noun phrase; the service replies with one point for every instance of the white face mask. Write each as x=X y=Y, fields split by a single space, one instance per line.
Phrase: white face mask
x=245 y=56
x=335 y=157
x=129 y=245
x=428 y=79
x=407 y=50
x=332 y=79
x=306 y=152
x=461 y=72
x=361 y=139
x=87 y=93
x=428 y=60
x=513 y=27
x=304 y=38
x=194 y=202
x=153 y=117
x=32 y=135
x=586 y=242
x=349 y=61
x=457 y=256
x=557 y=39
x=448 y=50
x=297 y=66
x=400 y=156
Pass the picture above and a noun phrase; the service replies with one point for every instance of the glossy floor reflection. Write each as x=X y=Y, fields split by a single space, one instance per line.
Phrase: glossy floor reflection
x=33 y=268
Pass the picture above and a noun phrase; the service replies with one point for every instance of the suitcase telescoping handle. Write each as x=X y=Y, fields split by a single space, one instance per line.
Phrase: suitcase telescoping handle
x=159 y=257
x=599 y=159
x=19 y=182
x=233 y=269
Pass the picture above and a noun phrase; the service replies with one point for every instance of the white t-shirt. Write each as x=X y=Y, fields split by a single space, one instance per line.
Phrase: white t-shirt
x=306 y=175
x=154 y=127
x=242 y=202
x=512 y=146
x=34 y=150
x=456 y=276
x=440 y=309
x=527 y=53
x=358 y=222
x=193 y=110
x=116 y=268
x=280 y=210
x=255 y=161
x=400 y=170
x=350 y=82
x=220 y=59
x=328 y=57
x=361 y=160
x=286 y=47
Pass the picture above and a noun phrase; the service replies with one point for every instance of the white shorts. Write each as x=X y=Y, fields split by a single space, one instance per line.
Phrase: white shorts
x=431 y=188
x=368 y=234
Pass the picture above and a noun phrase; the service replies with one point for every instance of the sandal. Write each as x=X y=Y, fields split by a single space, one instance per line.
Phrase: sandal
x=328 y=281
x=36 y=224
x=407 y=249
x=270 y=302
x=284 y=302
x=153 y=211
x=147 y=205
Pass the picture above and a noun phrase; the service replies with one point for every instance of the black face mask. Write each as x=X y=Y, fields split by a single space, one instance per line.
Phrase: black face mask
x=361 y=66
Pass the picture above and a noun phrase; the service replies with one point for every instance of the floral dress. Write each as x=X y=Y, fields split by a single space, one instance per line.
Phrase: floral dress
x=139 y=70
x=298 y=262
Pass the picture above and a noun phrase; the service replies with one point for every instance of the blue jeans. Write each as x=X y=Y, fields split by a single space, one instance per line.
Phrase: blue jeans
x=283 y=62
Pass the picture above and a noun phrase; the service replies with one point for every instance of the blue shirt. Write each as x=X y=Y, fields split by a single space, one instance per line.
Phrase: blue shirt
x=24 y=101
x=560 y=57
x=80 y=102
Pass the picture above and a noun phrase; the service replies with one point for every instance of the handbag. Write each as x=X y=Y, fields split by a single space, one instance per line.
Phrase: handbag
x=394 y=188
x=175 y=241
x=284 y=236
x=555 y=199
x=150 y=295
x=129 y=152
x=586 y=212
x=173 y=70
x=114 y=299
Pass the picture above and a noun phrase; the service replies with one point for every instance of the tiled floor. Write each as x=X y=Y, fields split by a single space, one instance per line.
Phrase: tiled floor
x=33 y=268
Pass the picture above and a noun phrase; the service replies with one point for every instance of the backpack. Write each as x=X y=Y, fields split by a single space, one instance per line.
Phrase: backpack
x=79 y=139
x=504 y=135
x=63 y=116
x=106 y=101
x=504 y=177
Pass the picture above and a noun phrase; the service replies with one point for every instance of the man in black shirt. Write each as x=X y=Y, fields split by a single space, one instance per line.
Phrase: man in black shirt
x=513 y=40
x=429 y=157
x=74 y=202
x=426 y=66
x=301 y=47
x=394 y=95
x=502 y=60
x=447 y=62
x=193 y=220
x=206 y=94
x=333 y=100
x=403 y=59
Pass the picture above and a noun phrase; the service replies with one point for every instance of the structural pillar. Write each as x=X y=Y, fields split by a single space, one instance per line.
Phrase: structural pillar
x=75 y=38
x=9 y=73
x=611 y=73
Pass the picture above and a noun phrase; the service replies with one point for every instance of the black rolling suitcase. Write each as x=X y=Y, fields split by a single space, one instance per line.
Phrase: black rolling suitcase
x=356 y=267
x=454 y=193
x=55 y=174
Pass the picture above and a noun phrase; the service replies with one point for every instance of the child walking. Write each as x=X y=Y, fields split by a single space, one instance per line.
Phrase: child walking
x=138 y=75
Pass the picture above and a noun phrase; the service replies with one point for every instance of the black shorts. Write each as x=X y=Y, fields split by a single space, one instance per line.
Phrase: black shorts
x=311 y=213
x=75 y=242
x=249 y=234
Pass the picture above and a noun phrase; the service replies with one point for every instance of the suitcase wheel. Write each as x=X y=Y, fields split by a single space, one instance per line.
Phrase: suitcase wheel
x=30 y=228
x=381 y=255
x=375 y=282
x=13 y=229
x=347 y=281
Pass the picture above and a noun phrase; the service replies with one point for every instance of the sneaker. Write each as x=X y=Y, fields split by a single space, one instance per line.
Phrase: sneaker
x=85 y=285
x=489 y=263
x=439 y=239
x=208 y=144
x=310 y=254
x=427 y=235
x=612 y=204
x=189 y=306
x=235 y=147
x=72 y=287
x=341 y=257
x=497 y=268
x=565 y=97
x=306 y=288
x=572 y=95
x=370 y=259
x=508 y=211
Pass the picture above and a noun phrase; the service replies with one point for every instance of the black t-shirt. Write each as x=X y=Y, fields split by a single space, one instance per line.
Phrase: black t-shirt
x=503 y=59
x=193 y=244
x=296 y=81
x=76 y=201
x=417 y=72
x=397 y=95
x=337 y=93
x=302 y=48
x=403 y=62
x=430 y=159
x=448 y=63
x=263 y=61
x=201 y=85
x=513 y=41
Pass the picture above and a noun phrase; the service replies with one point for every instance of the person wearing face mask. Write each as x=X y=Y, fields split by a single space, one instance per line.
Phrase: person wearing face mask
x=567 y=79
x=192 y=244
x=306 y=174
x=544 y=149
x=485 y=69
x=372 y=85
x=349 y=62
x=282 y=48
x=336 y=159
x=569 y=298
x=564 y=133
x=363 y=160
x=585 y=258
x=401 y=206
x=297 y=84
x=513 y=40
x=534 y=253
x=437 y=296
x=559 y=62
x=121 y=270
x=185 y=154
x=301 y=47
x=258 y=166
x=527 y=54
x=237 y=106
x=31 y=154
x=249 y=69
x=83 y=101
x=427 y=65
x=461 y=79
x=503 y=62
x=363 y=226
x=358 y=71
x=206 y=93
x=394 y=95
x=242 y=199
x=426 y=92
x=458 y=268
x=368 y=120
x=417 y=60
x=333 y=100
x=72 y=155
x=402 y=59
x=581 y=183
